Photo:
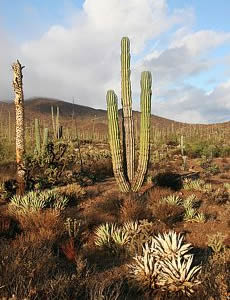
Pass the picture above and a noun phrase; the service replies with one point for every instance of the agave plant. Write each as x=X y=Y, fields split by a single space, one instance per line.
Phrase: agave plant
x=35 y=201
x=168 y=245
x=215 y=242
x=206 y=187
x=227 y=186
x=190 y=214
x=104 y=234
x=172 y=200
x=189 y=201
x=190 y=184
x=130 y=227
x=200 y=217
x=145 y=271
x=120 y=237
x=177 y=275
x=28 y=203
x=172 y=272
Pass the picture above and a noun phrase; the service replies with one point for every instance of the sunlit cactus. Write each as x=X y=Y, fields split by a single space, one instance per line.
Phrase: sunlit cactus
x=123 y=165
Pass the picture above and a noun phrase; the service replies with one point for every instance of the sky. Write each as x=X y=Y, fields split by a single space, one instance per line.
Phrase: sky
x=71 y=50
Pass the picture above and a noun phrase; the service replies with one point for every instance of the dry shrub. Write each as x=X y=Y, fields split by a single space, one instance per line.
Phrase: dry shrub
x=31 y=270
x=44 y=225
x=155 y=194
x=8 y=226
x=167 y=213
x=94 y=219
x=132 y=209
x=69 y=249
x=111 y=204
x=106 y=289
x=216 y=276
x=73 y=190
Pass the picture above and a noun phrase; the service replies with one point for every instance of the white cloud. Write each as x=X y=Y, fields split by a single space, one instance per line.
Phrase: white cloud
x=193 y=105
x=198 y=42
x=83 y=58
x=6 y=58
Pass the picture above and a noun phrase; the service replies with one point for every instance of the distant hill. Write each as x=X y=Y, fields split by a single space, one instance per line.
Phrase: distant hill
x=85 y=116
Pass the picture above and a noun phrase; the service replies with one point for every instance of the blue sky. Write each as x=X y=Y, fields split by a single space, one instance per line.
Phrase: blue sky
x=71 y=49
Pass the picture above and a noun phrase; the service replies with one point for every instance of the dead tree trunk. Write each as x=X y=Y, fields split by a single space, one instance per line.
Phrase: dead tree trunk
x=19 y=126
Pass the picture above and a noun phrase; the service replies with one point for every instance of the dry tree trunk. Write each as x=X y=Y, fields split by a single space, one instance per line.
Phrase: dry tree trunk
x=19 y=125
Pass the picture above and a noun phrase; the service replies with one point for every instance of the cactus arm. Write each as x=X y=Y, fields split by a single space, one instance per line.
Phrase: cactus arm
x=37 y=136
x=57 y=124
x=45 y=139
x=146 y=93
x=114 y=141
x=126 y=100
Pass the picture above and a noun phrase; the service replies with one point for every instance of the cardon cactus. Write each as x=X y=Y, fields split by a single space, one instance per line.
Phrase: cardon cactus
x=123 y=165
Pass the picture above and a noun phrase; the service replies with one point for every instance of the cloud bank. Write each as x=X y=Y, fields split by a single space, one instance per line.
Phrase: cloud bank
x=82 y=60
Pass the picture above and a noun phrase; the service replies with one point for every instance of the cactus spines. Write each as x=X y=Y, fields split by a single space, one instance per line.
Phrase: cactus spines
x=19 y=125
x=146 y=93
x=124 y=170
x=126 y=100
x=115 y=145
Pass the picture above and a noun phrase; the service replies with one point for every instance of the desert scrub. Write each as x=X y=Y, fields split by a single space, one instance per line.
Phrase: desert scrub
x=165 y=264
x=216 y=242
x=130 y=236
x=35 y=201
x=197 y=185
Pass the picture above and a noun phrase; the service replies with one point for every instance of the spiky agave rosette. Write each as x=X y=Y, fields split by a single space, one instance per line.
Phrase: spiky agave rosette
x=168 y=245
x=178 y=275
x=165 y=265
x=145 y=271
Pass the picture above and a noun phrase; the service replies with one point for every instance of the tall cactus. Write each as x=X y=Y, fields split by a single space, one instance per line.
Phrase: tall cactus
x=19 y=125
x=37 y=136
x=124 y=170
x=146 y=93
x=126 y=101
x=40 y=148
x=114 y=140
x=57 y=129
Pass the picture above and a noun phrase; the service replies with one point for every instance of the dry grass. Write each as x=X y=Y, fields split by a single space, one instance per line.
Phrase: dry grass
x=42 y=262
x=167 y=213
x=132 y=209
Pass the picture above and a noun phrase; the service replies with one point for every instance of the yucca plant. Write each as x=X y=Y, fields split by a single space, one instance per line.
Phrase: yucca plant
x=123 y=161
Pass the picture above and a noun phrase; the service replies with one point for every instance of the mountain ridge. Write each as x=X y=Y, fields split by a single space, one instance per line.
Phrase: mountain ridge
x=40 y=107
